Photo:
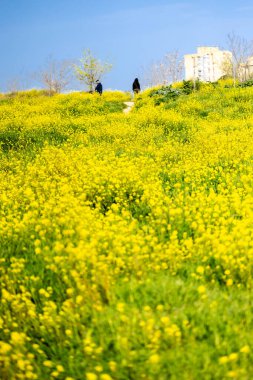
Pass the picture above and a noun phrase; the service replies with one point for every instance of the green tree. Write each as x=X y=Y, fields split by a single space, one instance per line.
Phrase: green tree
x=91 y=69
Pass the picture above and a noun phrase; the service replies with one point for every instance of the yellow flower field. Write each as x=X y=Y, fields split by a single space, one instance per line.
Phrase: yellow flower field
x=126 y=239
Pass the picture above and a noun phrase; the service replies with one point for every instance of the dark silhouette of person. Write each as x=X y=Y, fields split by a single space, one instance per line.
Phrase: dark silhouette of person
x=99 y=87
x=136 y=86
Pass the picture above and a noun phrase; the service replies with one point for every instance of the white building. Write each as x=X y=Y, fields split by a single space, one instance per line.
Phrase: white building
x=246 y=69
x=207 y=65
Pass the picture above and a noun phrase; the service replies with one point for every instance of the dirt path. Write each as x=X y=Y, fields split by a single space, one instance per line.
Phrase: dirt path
x=129 y=106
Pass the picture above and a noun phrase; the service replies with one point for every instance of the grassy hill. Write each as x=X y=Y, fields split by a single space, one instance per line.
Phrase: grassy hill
x=126 y=240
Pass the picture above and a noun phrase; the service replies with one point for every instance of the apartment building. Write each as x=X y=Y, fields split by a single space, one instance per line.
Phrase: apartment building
x=246 y=70
x=207 y=65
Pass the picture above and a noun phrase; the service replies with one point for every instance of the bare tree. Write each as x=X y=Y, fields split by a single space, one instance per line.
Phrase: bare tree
x=227 y=67
x=20 y=82
x=56 y=75
x=166 y=71
x=241 y=50
x=174 y=64
x=91 y=69
x=14 y=85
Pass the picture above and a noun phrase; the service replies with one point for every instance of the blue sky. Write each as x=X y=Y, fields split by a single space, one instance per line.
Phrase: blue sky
x=131 y=34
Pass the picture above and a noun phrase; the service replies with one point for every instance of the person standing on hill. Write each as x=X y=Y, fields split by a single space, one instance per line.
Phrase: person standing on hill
x=99 y=87
x=136 y=86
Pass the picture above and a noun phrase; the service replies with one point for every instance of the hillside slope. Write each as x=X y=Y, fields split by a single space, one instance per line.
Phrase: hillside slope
x=126 y=239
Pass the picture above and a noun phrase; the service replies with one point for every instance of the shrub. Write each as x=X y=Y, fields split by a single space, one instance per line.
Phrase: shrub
x=247 y=83
x=189 y=86
x=165 y=94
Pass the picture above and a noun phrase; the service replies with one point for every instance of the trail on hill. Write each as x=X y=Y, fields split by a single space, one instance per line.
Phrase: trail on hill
x=129 y=107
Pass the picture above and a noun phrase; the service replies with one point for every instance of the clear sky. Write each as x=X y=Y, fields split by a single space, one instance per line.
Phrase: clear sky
x=131 y=34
